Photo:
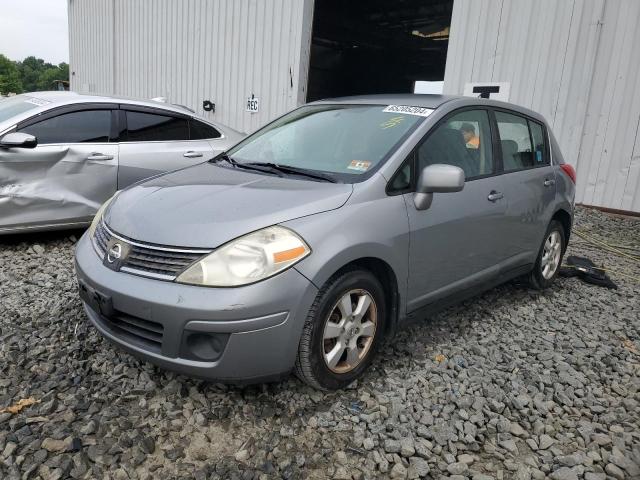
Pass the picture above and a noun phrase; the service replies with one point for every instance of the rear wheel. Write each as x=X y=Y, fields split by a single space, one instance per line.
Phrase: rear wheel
x=342 y=331
x=549 y=258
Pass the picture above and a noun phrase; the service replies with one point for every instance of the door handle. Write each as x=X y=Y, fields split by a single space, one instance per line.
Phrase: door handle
x=549 y=182
x=495 y=196
x=192 y=154
x=99 y=156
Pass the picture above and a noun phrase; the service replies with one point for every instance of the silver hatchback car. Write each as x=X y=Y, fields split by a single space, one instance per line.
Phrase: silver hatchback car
x=63 y=154
x=310 y=241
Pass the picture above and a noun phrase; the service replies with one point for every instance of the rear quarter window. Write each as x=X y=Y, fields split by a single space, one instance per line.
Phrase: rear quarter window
x=202 y=131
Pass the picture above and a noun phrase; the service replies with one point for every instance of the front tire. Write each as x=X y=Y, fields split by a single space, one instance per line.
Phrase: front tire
x=549 y=258
x=343 y=330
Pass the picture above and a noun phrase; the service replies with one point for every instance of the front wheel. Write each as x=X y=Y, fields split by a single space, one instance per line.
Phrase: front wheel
x=342 y=331
x=549 y=258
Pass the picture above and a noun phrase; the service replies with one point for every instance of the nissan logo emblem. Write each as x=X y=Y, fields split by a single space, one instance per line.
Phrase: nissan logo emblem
x=115 y=252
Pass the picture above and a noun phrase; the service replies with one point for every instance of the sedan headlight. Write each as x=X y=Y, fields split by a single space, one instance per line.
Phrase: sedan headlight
x=248 y=259
x=99 y=213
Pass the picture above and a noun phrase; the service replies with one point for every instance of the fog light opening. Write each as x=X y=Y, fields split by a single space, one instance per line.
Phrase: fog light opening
x=205 y=346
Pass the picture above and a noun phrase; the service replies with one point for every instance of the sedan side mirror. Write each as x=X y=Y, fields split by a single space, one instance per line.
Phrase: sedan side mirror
x=18 y=140
x=435 y=179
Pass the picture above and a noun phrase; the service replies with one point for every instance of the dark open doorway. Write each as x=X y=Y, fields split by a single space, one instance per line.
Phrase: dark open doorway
x=376 y=46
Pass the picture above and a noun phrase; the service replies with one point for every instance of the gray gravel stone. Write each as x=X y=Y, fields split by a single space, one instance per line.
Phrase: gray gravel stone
x=457 y=468
x=553 y=373
x=418 y=468
x=564 y=473
x=614 y=471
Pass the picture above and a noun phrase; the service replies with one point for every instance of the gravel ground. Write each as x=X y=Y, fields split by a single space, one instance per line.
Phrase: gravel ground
x=512 y=384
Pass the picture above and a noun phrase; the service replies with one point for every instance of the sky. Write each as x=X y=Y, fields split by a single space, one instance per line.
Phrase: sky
x=34 y=27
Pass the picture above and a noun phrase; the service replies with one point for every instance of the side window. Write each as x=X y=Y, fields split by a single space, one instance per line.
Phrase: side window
x=463 y=140
x=515 y=142
x=401 y=181
x=151 y=127
x=540 y=156
x=74 y=127
x=202 y=131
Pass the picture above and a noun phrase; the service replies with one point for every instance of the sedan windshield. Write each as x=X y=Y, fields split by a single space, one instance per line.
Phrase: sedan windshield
x=344 y=141
x=12 y=106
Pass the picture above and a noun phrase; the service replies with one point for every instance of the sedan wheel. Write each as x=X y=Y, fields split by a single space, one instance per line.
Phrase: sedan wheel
x=349 y=331
x=343 y=330
x=549 y=258
x=551 y=255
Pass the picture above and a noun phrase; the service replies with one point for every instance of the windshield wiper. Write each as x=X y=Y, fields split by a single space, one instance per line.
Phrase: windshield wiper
x=224 y=156
x=294 y=170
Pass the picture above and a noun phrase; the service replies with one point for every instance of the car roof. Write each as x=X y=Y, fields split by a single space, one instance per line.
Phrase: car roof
x=413 y=99
x=57 y=98
x=428 y=101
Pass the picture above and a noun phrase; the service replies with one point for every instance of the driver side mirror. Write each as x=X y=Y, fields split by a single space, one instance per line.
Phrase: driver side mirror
x=436 y=179
x=18 y=140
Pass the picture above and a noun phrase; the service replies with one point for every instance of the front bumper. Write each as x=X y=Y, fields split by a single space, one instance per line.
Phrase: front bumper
x=253 y=330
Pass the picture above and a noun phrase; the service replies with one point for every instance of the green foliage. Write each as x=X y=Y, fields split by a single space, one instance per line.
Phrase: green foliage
x=30 y=75
x=9 y=76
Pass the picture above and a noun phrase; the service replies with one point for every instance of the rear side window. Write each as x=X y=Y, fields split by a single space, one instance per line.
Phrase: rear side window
x=86 y=126
x=522 y=142
x=540 y=156
x=202 y=131
x=151 y=127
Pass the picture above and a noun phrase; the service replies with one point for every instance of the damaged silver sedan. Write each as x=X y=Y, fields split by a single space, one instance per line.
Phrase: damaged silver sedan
x=63 y=154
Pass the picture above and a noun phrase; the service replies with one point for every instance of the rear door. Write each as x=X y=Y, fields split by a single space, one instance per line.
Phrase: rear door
x=457 y=242
x=153 y=141
x=529 y=187
x=66 y=178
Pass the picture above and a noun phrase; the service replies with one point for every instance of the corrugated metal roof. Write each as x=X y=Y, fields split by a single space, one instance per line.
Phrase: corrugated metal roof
x=194 y=50
x=577 y=63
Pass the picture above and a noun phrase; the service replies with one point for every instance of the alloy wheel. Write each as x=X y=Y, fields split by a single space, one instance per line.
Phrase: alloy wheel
x=349 y=331
x=551 y=255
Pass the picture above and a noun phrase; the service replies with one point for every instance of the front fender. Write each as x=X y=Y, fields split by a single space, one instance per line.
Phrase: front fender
x=377 y=228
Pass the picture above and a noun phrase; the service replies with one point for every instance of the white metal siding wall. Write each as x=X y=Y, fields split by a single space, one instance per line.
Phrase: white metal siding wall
x=91 y=44
x=194 y=50
x=576 y=62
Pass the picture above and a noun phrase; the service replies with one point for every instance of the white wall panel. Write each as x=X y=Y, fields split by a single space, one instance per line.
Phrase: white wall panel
x=194 y=50
x=578 y=63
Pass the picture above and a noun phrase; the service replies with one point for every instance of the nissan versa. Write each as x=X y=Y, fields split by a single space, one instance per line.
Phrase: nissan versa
x=310 y=241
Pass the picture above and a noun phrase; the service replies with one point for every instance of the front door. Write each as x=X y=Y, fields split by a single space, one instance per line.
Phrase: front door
x=66 y=178
x=457 y=242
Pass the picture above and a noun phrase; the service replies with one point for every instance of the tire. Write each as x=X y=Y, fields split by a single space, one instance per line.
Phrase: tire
x=329 y=326
x=542 y=277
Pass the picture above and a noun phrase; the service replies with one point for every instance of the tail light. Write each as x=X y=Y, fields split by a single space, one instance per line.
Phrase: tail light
x=570 y=171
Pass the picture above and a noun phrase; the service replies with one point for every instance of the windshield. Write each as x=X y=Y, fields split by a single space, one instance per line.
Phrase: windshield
x=12 y=106
x=346 y=141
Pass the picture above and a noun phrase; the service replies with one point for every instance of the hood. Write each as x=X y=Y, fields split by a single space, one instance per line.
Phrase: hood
x=207 y=205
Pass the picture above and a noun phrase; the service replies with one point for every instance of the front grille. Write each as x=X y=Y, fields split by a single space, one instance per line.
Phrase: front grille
x=148 y=260
x=163 y=263
x=136 y=330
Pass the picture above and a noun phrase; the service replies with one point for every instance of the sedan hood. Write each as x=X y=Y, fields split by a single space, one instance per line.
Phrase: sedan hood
x=207 y=205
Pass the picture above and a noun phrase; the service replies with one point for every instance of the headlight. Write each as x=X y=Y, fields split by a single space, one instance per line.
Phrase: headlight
x=248 y=259
x=99 y=213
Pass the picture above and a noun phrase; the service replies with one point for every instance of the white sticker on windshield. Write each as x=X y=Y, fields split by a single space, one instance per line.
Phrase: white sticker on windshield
x=409 y=110
x=38 y=101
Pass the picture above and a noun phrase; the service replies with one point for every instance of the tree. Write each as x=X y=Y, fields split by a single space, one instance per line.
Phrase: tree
x=30 y=71
x=47 y=77
x=9 y=77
